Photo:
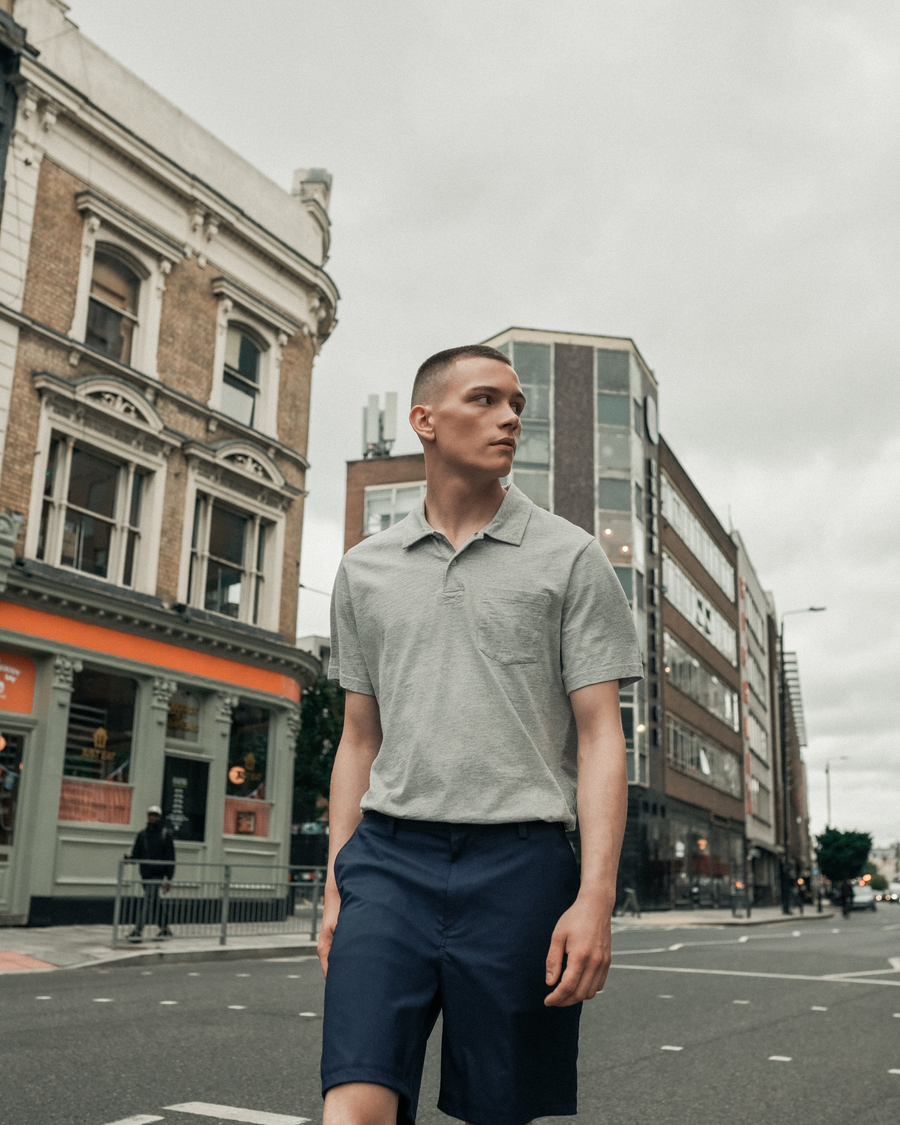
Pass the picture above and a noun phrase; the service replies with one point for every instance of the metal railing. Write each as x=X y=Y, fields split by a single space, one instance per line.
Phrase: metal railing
x=216 y=899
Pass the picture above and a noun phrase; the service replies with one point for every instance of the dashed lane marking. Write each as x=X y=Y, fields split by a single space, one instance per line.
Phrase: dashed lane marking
x=666 y=996
x=766 y=976
x=740 y=1001
x=896 y=1014
x=102 y=999
x=835 y=931
x=795 y=933
x=309 y=1015
x=293 y=976
x=234 y=1008
x=668 y=1047
x=140 y=1119
x=817 y=1008
x=780 y=1058
x=242 y=974
x=147 y=973
x=894 y=1071
x=193 y=974
x=235 y=1113
x=741 y=940
x=43 y=997
x=168 y=1001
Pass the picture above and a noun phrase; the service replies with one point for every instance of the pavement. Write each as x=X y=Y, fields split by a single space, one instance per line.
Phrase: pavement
x=696 y=1026
x=42 y=949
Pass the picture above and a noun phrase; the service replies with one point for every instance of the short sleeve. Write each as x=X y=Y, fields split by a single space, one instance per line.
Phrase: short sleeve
x=598 y=640
x=347 y=663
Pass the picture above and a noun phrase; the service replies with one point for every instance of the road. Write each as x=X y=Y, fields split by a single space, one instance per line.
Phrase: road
x=695 y=1027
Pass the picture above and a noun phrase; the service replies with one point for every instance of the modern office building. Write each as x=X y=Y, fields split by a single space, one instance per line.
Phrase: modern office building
x=161 y=305
x=698 y=773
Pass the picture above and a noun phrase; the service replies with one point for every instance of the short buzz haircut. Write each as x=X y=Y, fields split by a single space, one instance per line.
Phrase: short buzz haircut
x=430 y=375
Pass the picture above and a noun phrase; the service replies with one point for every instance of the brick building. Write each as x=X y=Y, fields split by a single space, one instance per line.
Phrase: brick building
x=704 y=786
x=161 y=305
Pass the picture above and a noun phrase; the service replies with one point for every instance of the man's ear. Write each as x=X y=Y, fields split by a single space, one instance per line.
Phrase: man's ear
x=421 y=420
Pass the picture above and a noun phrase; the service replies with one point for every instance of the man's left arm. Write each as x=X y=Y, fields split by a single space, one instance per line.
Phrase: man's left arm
x=583 y=933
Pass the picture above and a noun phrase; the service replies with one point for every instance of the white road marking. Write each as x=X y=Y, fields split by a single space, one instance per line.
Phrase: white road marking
x=666 y=996
x=780 y=1058
x=633 y=952
x=894 y=1072
x=816 y=1008
x=293 y=976
x=148 y=973
x=102 y=999
x=767 y=976
x=310 y=1014
x=677 y=945
x=740 y=1001
x=894 y=963
x=43 y=997
x=242 y=974
x=741 y=940
x=835 y=931
x=897 y=1015
x=668 y=1048
x=168 y=1001
x=193 y=974
x=235 y=1113
x=284 y=960
x=795 y=933
x=234 y=1008
x=140 y=1119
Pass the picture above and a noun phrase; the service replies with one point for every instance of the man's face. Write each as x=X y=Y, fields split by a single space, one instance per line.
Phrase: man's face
x=152 y=818
x=477 y=419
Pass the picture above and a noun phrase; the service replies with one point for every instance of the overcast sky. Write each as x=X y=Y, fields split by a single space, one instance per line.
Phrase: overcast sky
x=716 y=179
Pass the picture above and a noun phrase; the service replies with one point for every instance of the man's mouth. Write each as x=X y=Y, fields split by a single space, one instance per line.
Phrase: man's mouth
x=508 y=442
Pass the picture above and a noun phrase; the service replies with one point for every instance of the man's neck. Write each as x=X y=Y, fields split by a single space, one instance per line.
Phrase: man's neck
x=458 y=507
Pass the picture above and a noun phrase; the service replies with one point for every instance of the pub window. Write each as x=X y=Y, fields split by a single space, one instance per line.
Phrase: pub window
x=91 y=512
x=113 y=307
x=101 y=725
x=246 y=808
x=229 y=562
x=240 y=379
x=10 y=776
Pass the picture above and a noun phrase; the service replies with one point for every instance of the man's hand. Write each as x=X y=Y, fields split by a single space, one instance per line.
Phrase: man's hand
x=329 y=921
x=583 y=934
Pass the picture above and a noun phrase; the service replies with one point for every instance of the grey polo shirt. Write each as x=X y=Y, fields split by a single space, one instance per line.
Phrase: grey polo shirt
x=472 y=655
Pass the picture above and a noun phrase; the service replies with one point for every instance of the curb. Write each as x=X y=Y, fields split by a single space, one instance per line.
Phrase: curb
x=792 y=919
x=185 y=956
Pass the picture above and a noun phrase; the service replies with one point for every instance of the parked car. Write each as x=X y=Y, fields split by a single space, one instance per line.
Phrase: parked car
x=863 y=897
x=892 y=894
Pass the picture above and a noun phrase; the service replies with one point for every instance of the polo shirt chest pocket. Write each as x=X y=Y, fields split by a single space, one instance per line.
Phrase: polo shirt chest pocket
x=510 y=624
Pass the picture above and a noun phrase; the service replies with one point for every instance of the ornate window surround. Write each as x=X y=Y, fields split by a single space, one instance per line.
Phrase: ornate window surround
x=242 y=475
x=150 y=254
x=271 y=328
x=109 y=414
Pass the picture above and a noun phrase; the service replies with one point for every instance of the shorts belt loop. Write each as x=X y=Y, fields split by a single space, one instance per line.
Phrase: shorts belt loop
x=523 y=831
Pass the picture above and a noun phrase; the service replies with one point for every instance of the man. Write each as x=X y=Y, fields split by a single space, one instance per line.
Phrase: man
x=154 y=843
x=482 y=642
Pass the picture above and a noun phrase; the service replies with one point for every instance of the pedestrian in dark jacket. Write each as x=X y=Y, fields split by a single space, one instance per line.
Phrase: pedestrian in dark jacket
x=154 y=844
x=845 y=894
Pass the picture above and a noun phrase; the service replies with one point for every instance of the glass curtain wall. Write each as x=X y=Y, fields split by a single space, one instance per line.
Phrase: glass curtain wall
x=531 y=470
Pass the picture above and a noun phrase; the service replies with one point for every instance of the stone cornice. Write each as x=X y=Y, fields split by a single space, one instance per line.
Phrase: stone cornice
x=92 y=203
x=55 y=590
x=183 y=183
x=246 y=299
x=151 y=388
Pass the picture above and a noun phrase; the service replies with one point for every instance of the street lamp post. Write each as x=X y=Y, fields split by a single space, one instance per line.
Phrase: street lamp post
x=828 y=761
x=782 y=722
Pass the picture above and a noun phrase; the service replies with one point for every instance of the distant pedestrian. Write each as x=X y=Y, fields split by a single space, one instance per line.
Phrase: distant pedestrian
x=630 y=905
x=845 y=895
x=482 y=642
x=154 y=843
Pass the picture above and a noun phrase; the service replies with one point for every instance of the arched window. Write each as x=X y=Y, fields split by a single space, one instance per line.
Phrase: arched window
x=112 y=309
x=240 y=381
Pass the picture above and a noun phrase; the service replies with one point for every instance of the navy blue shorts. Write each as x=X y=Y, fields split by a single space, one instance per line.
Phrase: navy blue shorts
x=452 y=918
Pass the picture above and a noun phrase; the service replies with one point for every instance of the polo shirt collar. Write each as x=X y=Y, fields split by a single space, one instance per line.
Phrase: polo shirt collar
x=507 y=526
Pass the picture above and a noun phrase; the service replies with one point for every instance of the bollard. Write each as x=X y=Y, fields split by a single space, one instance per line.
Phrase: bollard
x=226 y=885
x=117 y=909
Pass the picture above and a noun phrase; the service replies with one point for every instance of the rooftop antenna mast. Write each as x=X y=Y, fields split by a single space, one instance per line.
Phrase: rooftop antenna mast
x=379 y=426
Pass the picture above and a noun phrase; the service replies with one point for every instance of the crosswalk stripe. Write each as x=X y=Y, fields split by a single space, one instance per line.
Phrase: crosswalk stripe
x=235 y=1113
x=140 y=1119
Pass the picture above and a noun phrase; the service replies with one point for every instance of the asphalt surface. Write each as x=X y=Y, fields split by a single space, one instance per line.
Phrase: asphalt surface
x=760 y=1036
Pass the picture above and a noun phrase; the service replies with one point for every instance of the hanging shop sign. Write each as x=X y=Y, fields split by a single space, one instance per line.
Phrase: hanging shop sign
x=16 y=683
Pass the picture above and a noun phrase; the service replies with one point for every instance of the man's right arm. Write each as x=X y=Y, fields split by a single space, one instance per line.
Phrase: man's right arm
x=359 y=746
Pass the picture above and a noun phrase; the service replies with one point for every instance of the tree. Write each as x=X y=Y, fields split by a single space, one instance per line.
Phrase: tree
x=321 y=723
x=842 y=855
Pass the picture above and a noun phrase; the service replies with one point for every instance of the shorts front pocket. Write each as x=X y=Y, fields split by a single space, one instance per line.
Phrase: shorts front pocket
x=510 y=624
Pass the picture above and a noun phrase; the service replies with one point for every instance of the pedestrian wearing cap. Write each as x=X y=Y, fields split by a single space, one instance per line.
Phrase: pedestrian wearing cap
x=482 y=642
x=154 y=844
